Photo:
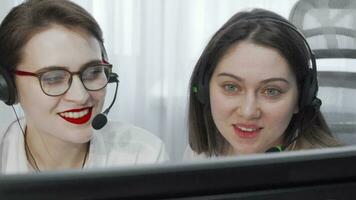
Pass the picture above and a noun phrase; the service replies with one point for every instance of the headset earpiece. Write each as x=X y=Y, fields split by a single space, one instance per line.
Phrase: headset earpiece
x=316 y=103
x=308 y=91
x=201 y=86
x=202 y=93
x=311 y=88
x=7 y=88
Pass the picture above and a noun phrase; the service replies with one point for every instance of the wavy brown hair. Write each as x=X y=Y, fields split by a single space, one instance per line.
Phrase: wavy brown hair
x=309 y=123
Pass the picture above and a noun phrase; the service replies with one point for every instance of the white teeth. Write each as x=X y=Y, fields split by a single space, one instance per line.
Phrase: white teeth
x=247 y=129
x=74 y=115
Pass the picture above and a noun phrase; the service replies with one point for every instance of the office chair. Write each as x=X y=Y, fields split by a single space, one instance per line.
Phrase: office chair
x=330 y=28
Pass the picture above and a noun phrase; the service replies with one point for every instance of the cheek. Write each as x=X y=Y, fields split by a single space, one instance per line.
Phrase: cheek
x=279 y=115
x=33 y=101
x=99 y=98
x=30 y=93
x=221 y=106
x=27 y=89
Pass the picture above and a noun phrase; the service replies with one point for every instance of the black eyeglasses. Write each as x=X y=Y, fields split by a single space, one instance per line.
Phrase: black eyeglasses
x=56 y=81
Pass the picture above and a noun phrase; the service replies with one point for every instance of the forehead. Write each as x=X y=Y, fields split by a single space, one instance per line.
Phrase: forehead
x=255 y=62
x=59 y=46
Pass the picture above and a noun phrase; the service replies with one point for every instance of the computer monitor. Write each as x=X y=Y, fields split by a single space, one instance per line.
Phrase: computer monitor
x=316 y=174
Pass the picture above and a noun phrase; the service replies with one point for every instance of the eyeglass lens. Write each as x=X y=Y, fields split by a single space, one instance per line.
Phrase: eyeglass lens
x=57 y=82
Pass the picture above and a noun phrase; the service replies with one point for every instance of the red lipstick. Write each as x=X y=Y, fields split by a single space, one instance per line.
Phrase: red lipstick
x=81 y=120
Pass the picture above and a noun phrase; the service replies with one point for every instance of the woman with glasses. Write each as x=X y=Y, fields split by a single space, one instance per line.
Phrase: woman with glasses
x=53 y=63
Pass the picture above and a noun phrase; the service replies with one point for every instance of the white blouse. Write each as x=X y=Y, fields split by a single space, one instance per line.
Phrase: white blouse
x=117 y=144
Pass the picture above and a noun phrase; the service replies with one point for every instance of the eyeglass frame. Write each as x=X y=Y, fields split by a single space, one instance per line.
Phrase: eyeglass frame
x=40 y=72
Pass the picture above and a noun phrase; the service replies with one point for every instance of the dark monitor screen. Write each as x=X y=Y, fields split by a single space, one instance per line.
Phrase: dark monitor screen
x=318 y=174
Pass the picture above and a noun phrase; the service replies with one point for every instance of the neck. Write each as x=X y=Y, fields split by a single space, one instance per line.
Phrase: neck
x=49 y=153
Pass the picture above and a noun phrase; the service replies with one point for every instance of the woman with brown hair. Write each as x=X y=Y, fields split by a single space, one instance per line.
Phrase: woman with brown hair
x=53 y=63
x=254 y=90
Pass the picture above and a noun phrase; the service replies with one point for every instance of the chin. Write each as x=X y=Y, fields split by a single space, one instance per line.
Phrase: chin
x=84 y=140
x=81 y=140
x=81 y=136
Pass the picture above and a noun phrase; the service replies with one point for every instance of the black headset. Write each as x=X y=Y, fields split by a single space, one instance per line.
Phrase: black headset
x=7 y=87
x=309 y=90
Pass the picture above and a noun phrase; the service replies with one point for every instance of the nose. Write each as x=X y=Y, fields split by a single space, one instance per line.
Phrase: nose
x=77 y=92
x=249 y=107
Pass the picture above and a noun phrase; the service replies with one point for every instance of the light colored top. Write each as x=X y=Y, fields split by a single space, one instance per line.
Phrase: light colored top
x=190 y=155
x=116 y=144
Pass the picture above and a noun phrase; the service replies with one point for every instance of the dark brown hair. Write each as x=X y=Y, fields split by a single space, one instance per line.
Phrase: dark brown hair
x=309 y=123
x=33 y=16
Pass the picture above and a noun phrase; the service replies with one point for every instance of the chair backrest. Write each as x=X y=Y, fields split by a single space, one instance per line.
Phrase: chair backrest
x=328 y=25
x=338 y=92
x=330 y=29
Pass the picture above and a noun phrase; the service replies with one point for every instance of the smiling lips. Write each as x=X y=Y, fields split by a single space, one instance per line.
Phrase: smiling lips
x=77 y=116
x=247 y=131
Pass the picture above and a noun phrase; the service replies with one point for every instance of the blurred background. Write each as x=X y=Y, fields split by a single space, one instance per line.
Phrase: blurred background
x=154 y=45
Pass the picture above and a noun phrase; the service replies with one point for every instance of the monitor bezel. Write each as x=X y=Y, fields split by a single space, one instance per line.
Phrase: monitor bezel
x=243 y=177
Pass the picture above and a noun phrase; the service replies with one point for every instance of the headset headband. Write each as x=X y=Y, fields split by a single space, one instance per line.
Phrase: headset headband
x=309 y=89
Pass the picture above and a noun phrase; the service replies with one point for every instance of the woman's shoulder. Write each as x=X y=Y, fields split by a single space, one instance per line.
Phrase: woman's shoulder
x=317 y=140
x=7 y=128
x=117 y=131
x=190 y=155
x=126 y=139
x=3 y=130
x=13 y=158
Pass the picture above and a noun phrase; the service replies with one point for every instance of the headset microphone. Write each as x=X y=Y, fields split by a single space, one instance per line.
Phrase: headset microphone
x=100 y=120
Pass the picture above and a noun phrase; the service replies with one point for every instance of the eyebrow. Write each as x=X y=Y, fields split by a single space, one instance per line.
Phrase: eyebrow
x=264 y=81
x=52 y=67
